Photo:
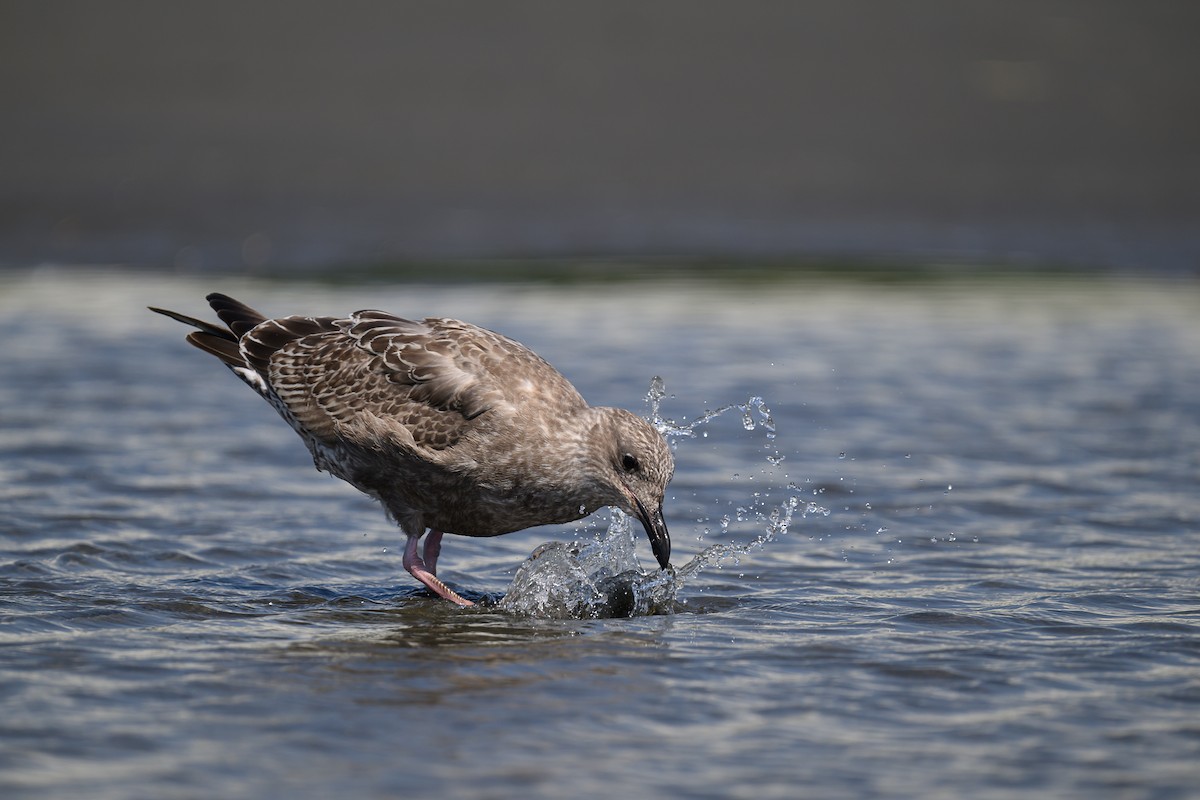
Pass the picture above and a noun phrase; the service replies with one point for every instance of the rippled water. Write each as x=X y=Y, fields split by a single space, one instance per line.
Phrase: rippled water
x=989 y=585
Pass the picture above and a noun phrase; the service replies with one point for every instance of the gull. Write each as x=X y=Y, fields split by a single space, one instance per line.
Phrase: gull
x=452 y=427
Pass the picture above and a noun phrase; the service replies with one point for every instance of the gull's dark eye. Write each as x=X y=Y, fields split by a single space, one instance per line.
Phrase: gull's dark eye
x=629 y=463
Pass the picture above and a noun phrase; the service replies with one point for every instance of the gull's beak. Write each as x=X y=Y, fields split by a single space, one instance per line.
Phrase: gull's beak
x=656 y=532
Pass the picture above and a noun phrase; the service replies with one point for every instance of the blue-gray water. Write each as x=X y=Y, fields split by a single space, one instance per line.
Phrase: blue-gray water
x=1003 y=598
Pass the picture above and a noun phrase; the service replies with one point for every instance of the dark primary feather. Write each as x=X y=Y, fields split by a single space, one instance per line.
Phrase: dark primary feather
x=234 y=313
x=207 y=327
x=210 y=338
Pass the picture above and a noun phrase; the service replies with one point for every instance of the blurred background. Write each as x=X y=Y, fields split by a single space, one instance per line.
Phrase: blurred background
x=284 y=136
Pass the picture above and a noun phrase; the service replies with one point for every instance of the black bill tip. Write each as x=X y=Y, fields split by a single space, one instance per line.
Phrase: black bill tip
x=656 y=532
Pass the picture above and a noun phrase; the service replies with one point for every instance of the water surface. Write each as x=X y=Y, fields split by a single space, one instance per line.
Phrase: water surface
x=990 y=585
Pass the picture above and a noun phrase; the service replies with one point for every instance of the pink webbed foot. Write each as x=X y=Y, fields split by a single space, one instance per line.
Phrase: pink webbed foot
x=417 y=567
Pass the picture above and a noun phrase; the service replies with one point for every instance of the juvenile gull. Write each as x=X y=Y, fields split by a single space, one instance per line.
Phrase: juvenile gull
x=453 y=428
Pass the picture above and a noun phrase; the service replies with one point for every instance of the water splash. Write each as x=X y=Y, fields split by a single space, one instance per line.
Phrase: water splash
x=593 y=579
x=754 y=413
x=603 y=577
x=778 y=521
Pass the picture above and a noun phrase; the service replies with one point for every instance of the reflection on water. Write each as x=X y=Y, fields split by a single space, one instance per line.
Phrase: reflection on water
x=987 y=582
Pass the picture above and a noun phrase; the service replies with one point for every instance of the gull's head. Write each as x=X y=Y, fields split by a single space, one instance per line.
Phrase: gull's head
x=635 y=466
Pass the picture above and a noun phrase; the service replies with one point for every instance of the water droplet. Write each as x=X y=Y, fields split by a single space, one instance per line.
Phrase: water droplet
x=841 y=455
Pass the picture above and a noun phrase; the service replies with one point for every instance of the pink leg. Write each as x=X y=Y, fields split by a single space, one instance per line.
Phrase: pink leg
x=416 y=567
x=433 y=548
